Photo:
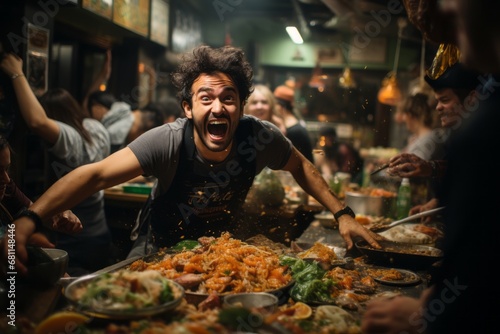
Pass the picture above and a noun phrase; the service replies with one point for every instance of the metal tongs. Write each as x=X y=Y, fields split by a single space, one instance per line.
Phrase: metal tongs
x=381 y=168
x=381 y=228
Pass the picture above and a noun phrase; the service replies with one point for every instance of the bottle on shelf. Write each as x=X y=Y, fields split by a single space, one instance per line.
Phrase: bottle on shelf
x=403 y=201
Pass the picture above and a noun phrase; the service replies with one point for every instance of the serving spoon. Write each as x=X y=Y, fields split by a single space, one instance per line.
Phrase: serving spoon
x=385 y=227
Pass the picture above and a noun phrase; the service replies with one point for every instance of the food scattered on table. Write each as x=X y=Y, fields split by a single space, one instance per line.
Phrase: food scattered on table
x=320 y=299
x=222 y=265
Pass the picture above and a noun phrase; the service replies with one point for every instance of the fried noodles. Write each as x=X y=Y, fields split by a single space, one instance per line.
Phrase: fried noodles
x=224 y=265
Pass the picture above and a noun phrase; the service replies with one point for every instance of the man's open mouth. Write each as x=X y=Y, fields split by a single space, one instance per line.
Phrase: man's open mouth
x=217 y=129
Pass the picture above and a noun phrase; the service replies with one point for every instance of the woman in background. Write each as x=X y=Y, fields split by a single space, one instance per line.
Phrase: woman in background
x=419 y=119
x=73 y=139
x=261 y=104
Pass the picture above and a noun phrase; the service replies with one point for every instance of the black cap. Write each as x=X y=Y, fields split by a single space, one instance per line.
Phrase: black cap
x=456 y=76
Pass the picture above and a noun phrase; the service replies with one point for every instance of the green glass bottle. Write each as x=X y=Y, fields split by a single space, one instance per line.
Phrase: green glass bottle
x=403 y=201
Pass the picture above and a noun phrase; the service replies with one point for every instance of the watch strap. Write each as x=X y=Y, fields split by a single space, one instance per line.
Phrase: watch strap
x=345 y=211
x=31 y=215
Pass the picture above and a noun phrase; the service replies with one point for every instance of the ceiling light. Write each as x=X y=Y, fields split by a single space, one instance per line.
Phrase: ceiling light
x=294 y=34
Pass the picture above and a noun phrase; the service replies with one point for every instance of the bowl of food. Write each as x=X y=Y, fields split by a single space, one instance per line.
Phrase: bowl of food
x=46 y=265
x=326 y=219
x=124 y=294
x=261 y=302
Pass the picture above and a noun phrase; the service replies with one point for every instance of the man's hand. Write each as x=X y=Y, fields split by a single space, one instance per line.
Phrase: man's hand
x=400 y=314
x=432 y=204
x=66 y=222
x=409 y=165
x=14 y=242
x=349 y=228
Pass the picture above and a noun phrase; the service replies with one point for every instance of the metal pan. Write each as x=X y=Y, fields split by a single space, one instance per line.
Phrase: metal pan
x=399 y=255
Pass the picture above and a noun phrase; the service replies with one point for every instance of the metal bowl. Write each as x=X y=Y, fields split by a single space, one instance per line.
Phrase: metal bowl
x=327 y=220
x=260 y=301
x=46 y=265
x=378 y=206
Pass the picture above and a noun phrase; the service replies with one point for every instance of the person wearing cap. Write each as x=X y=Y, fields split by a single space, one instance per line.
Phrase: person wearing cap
x=454 y=91
x=295 y=131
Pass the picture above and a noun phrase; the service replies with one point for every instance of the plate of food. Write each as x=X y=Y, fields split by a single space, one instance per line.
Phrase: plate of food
x=124 y=294
x=391 y=276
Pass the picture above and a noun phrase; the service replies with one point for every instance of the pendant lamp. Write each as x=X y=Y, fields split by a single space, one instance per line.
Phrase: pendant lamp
x=346 y=80
x=318 y=79
x=390 y=93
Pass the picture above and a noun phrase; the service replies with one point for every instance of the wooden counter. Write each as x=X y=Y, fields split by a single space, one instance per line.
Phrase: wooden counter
x=117 y=194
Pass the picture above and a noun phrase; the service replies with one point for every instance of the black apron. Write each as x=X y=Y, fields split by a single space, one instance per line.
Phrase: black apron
x=203 y=199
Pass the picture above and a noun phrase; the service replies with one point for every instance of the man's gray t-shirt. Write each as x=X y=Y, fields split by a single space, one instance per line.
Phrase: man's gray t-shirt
x=158 y=150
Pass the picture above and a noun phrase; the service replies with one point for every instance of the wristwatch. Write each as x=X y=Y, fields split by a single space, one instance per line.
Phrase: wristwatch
x=31 y=215
x=345 y=211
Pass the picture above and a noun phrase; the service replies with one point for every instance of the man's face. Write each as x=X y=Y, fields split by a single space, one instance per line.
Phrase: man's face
x=4 y=169
x=449 y=107
x=216 y=111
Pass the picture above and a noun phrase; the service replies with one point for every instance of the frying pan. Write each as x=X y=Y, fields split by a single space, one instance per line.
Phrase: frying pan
x=400 y=255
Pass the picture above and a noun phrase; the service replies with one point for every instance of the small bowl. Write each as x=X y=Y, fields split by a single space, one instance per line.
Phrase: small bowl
x=261 y=302
x=326 y=219
x=46 y=265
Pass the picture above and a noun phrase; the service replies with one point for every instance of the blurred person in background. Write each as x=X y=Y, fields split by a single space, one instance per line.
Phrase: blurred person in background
x=419 y=120
x=337 y=156
x=295 y=131
x=169 y=108
x=262 y=105
x=73 y=139
x=122 y=124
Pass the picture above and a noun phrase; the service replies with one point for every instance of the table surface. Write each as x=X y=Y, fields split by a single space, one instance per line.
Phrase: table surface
x=118 y=194
x=36 y=304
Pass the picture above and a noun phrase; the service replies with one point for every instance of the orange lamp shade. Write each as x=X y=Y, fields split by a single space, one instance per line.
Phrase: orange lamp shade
x=389 y=93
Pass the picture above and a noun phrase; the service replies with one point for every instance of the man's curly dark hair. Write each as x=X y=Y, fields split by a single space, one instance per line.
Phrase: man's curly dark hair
x=205 y=59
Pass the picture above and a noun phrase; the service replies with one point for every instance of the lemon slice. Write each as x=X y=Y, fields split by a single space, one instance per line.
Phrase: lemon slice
x=301 y=310
x=61 y=322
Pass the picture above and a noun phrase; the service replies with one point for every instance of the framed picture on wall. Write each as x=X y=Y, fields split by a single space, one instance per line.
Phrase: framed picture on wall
x=37 y=72
x=328 y=55
x=37 y=60
x=38 y=39
x=370 y=51
x=100 y=7
x=159 y=22
x=133 y=15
